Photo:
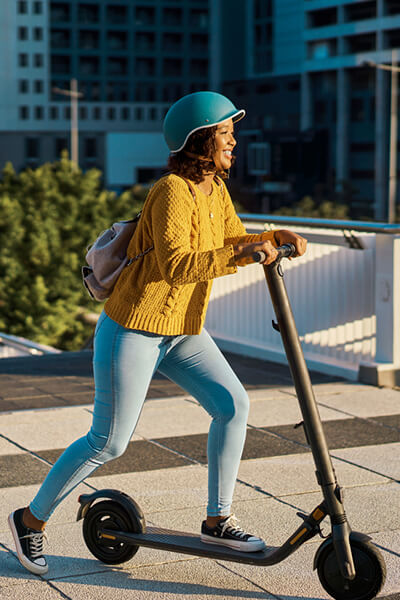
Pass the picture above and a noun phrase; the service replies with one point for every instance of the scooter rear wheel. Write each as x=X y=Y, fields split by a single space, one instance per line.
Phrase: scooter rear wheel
x=108 y=514
x=370 y=572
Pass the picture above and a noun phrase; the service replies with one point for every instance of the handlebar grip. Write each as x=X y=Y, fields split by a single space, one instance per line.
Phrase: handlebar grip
x=284 y=251
x=259 y=256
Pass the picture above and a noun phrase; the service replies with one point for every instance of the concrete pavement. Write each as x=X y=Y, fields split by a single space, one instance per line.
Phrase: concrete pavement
x=46 y=403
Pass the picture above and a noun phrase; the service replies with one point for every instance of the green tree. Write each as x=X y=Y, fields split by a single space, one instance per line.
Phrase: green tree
x=307 y=207
x=48 y=216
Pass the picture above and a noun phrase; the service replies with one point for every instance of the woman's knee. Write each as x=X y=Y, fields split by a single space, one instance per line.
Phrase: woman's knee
x=234 y=406
x=106 y=448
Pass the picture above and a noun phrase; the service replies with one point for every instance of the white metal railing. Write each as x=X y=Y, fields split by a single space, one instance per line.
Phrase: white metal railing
x=344 y=294
x=12 y=345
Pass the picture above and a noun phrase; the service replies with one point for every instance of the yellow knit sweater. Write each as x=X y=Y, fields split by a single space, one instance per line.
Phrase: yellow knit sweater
x=167 y=290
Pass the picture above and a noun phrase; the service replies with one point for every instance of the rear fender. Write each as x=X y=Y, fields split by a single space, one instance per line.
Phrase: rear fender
x=132 y=508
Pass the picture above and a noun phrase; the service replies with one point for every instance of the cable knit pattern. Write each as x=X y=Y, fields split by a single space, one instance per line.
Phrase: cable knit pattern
x=167 y=290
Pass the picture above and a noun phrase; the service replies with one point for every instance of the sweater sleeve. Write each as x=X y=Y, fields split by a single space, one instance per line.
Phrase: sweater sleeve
x=235 y=231
x=172 y=231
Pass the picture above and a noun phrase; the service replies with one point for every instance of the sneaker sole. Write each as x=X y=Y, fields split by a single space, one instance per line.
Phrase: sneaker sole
x=25 y=562
x=240 y=546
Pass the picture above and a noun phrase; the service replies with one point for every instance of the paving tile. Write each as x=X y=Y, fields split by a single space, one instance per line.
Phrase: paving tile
x=48 y=428
x=198 y=579
x=21 y=469
x=383 y=458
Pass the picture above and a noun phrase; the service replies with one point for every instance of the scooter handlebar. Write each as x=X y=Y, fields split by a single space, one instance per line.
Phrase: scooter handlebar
x=284 y=251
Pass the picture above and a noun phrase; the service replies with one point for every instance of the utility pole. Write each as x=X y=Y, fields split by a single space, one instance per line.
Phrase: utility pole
x=392 y=193
x=73 y=95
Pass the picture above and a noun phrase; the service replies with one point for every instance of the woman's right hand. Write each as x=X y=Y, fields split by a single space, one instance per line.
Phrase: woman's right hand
x=243 y=253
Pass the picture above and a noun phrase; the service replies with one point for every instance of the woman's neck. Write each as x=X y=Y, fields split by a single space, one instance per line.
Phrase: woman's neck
x=205 y=184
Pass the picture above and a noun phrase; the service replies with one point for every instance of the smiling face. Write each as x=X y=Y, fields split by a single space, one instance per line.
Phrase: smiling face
x=224 y=144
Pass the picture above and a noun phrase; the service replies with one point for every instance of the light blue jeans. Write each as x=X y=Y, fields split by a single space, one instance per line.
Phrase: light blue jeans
x=124 y=363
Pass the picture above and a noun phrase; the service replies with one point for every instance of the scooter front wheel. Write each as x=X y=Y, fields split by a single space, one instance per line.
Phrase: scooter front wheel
x=108 y=514
x=370 y=572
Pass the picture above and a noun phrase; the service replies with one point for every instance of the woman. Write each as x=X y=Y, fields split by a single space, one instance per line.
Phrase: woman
x=188 y=234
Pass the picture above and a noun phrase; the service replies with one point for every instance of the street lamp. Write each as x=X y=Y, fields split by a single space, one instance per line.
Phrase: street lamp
x=394 y=69
x=73 y=95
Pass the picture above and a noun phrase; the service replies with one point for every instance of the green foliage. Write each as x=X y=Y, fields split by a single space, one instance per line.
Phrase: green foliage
x=48 y=216
x=307 y=207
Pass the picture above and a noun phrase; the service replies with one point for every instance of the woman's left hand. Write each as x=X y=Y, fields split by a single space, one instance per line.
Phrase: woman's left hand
x=284 y=236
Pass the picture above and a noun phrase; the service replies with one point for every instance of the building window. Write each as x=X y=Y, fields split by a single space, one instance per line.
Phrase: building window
x=89 y=65
x=199 y=42
x=263 y=9
x=88 y=13
x=96 y=113
x=322 y=18
x=22 y=7
x=38 y=86
x=172 y=92
x=145 y=66
x=153 y=114
x=125 y=114
x=145 y=92
x=117 y=40
x=199 y=18
x=53 y=113
x=172 y=42
x=38 y=34
x=111 y=114
x=38 y=60
x=23 y=86
x=145 y=15
x=392 y=38
x=88 y=40
x=83 y=112
x=38 y=113
x=392 y=7
x=361 y=43
x=117 y=14
x=199 y=67
x=24 y=112
x=357 y=111
x=60 y=64
x=138 y=113
x=145 y=41
x=38 y=8
x=60 y=38
x=32 y=147
x=172 y=16
x=22 y=59
x=60 y=12
x=90 y=147
x=360 y=11
x=22 y=33
x=117 y=66
x=60 y=144
x=173 y=67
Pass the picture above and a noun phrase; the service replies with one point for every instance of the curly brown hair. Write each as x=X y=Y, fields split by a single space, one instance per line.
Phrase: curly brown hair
x=202 y=144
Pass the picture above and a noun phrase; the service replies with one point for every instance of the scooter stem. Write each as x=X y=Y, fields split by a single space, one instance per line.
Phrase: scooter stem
x=312 y=420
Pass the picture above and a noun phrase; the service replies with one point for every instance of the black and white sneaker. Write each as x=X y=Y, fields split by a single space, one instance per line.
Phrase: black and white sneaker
x=227 y=533
x=28 y=543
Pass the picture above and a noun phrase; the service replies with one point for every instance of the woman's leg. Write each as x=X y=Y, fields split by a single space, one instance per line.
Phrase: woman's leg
x=196 y=363
x=124 y=362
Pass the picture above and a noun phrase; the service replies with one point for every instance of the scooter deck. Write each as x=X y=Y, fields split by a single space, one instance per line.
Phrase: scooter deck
x=189 y=543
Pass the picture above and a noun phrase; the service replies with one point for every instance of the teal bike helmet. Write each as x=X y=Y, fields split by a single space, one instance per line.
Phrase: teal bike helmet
x=197 y=111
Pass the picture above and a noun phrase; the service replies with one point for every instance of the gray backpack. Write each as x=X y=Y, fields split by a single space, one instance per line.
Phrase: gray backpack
x=106 y=257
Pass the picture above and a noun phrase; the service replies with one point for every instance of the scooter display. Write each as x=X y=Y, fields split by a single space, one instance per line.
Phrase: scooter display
x=348 y=564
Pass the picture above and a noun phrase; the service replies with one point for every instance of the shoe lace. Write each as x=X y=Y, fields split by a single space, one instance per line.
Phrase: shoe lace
x=36 y=542
x=230 y=525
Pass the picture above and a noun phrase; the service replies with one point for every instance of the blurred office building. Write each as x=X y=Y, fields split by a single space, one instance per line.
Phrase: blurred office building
x=318 y=117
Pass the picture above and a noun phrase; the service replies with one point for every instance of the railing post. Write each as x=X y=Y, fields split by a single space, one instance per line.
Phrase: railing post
x=385 y=370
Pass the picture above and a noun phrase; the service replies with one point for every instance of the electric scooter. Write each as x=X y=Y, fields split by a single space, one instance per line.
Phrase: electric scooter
x=349 y=566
